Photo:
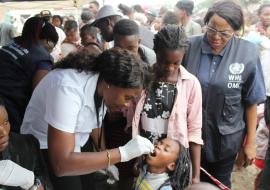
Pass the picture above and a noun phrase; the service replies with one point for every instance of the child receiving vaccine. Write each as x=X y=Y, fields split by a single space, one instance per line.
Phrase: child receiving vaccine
x=167 y=168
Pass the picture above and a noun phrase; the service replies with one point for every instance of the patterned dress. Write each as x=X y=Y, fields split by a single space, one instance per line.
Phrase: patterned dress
x=157 y=110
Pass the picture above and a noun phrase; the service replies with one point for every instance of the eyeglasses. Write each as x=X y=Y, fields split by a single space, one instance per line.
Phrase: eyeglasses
x=223 y=34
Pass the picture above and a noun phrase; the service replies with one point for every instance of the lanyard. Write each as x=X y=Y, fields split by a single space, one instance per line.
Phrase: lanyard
x=137 y=187
x=98 y=103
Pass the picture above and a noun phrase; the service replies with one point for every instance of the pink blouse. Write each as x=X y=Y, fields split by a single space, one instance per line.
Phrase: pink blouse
x=185 y=122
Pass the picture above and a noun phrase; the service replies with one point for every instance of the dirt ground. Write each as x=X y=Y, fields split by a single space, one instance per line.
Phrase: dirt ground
x=244 y=179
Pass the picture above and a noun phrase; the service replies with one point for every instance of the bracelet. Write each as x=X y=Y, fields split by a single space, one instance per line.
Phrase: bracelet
x=109 y=158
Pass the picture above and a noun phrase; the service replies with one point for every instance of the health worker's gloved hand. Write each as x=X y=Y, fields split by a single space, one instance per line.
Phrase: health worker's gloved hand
x=11 y=174
x=135 y=148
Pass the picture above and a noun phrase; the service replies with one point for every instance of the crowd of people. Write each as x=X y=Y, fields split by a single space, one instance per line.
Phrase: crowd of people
x=135 y=99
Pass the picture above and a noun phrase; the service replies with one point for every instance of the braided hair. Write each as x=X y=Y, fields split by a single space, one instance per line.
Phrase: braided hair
x=179 y=178
x=170 y=37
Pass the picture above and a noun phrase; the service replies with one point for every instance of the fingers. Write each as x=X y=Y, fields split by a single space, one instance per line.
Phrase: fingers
x=146 y=143
x=248 y=161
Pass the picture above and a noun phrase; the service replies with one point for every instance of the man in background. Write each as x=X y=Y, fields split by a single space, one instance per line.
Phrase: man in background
x=183 y=9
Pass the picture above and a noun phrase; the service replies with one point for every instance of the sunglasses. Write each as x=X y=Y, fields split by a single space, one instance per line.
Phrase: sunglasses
x=223 y=34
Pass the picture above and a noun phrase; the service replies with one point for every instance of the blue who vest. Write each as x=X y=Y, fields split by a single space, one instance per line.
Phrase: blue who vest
x=223 y=116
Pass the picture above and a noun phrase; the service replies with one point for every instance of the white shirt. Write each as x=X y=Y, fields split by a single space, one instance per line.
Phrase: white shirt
x=65 y=100
x=265 y=61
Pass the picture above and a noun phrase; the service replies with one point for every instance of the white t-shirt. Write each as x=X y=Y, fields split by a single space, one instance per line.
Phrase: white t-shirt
x=65 y=100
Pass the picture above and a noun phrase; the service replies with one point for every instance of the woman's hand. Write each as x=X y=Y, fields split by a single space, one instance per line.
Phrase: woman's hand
x=135 y=148
x=250 y=153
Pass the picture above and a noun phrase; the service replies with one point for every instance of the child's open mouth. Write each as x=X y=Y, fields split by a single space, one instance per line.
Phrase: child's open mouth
x=153 y=154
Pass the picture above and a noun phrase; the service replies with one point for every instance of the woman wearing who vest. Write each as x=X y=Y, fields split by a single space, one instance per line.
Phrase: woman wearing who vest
x=230 y=74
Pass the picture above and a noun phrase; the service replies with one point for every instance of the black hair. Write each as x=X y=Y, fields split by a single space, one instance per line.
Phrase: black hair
x=228 y=10
x=163 y=10
x=186 y=5
x=59 y=17
x=180 y=177
x=126 y=27
x=48 y=32
x=170 y=18
x=96 y=3
x=87 y=15
x=260 y=10
x=80 y=61
x=116 y=66
x=138 y=8
x=120 y=68
x=267 y=111
x=31 y=32
x=88 y=29
x=126 y=10
x=170 y=37
x=34 y=29
x=2 y=103
x=69 y=25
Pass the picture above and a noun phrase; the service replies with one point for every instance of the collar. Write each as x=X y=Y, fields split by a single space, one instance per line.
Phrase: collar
x=153 y=175
x=184 y=74
x=206 y=48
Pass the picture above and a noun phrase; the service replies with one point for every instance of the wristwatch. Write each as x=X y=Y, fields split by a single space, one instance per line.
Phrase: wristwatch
x=37 y=184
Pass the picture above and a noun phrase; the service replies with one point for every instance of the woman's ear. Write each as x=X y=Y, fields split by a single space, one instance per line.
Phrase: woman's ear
x=171 y=166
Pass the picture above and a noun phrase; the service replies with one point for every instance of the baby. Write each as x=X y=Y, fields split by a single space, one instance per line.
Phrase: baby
x=167 y=168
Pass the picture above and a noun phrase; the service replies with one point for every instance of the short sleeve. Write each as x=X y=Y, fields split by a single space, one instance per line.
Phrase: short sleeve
x=254 y=87
x=44 y=65
x=63 y=104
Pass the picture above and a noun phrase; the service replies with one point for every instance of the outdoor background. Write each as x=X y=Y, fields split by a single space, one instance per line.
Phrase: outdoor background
x=15 y=11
